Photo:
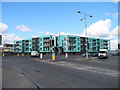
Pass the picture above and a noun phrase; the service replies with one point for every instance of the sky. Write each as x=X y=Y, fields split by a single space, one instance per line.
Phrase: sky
x=21 y=20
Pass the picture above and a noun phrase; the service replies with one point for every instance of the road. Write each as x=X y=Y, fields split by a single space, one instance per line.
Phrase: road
x=63 y=73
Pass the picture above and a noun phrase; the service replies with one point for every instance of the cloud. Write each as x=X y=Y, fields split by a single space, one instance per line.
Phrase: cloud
x=40 y=32
x=114 y=44
x=23 y=28
x=34 y=36
x=107 y=13
x=116 y=1
x=9 y=38
x=48 y=33
x=114 y=33
x=3 y=28
x=99 y=29
x=114 y=15
x=63 y=33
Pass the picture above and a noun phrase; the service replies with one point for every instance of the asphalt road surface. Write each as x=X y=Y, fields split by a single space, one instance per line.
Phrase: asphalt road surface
x=27 y=72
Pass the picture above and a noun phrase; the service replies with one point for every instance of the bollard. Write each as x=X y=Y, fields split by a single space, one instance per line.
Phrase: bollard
x=66 y=55
x=22 y=54
x=53 y=56
x=41 y=55
x=3 y=54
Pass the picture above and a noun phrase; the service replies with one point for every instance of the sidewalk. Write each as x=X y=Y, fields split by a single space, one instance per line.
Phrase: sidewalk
x=12 y=78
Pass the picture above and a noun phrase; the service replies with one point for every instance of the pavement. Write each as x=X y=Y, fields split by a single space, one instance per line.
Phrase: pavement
x=14 y=78
x=62 y=73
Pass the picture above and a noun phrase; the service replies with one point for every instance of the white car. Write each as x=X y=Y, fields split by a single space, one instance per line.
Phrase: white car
x=102 y=54
x=34 y=54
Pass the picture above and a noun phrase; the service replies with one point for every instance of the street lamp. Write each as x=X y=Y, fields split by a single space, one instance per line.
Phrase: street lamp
x=85 y=30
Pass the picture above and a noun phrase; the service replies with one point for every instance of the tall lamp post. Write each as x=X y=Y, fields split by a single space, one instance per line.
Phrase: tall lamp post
x=85 y=15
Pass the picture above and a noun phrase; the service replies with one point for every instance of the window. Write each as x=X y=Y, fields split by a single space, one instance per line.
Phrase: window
x=40 y=44
x=40 y=39
x=65 y=49
x=65 y=38
x=40 y=48
x=89 y=40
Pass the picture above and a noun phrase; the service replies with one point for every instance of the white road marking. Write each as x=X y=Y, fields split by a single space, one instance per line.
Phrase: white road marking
x=86 y=68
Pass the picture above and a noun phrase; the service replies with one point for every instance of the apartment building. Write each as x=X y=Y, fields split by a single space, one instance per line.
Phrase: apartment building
x=61 y=44
x=17 y=46
x=46 y=44
x=68 y=43
x=27 y=45
x=43 y=44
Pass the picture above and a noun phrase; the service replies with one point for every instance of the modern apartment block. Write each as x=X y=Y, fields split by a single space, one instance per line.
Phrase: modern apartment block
x=43 y=44
x=27 y=45
x=46 y=44
x=68 y=43
x=77 y=44
x=18 y=46
x=60 y=44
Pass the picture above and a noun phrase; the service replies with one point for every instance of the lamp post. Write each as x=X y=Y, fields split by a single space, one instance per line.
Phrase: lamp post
x=85 y=15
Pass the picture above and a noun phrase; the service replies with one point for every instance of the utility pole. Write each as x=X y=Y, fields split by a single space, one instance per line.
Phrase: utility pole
x=85 y=17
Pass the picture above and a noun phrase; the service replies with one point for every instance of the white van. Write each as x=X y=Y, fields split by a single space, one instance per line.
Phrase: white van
x=103 y=53
x=34 y=54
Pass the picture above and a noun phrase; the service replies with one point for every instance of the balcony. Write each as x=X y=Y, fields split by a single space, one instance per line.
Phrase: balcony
x=72 y=45
x=16 y=46
x=94 y=42
x=105 y=46
x=72 y=41
x=94 y=50
x=46 y=40
x=47 y=45
x=72 y=50
x=105 y=42
x=26 y=42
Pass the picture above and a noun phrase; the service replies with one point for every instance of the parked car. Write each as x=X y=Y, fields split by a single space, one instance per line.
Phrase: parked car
x=94 y=54
x=103 y=53
x=35 y=54
x=84 y=54
x=114 y=53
